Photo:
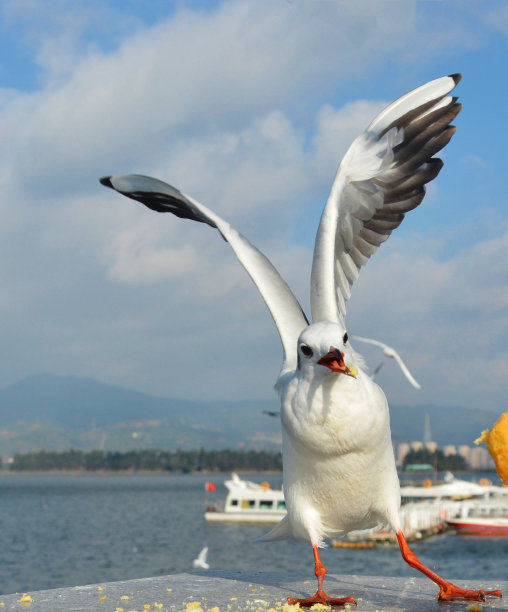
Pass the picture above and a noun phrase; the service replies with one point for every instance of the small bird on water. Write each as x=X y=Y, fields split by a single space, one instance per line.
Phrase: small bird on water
x=338 y=464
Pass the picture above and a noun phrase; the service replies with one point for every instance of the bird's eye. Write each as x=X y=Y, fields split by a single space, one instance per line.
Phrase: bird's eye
x=306 y=350
x=345 y=338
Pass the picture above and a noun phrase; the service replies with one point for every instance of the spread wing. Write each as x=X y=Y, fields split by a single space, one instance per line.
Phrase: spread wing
x=284 y=307
x=380 y=179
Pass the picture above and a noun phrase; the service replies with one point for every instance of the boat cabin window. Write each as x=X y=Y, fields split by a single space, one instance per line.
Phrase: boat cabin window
x=266 y=504
x=234 y=502
x=281 y=505
x=248 y=503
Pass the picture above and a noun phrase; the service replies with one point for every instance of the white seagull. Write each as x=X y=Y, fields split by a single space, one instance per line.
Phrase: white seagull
x=200 y=560
x=391 y=352
x=339 y=468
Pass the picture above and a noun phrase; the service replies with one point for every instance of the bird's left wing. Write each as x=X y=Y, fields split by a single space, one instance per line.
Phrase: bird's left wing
x=284 y=307
x=381 y=177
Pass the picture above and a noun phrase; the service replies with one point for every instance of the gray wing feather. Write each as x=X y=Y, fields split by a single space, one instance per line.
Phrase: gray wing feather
x=284 y=307
x=381 y=178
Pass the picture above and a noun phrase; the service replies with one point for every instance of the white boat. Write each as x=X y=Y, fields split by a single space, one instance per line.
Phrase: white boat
x=248 y=502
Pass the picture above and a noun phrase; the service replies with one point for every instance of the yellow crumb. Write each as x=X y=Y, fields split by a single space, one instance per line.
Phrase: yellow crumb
x=99 y=588
x=169 y=590
x=320 y=606
x=216 y=609
x=194 y=605
x=2 y=604
x=474 y=608
x=146 y=607
x=119 y=610
x=233 y=598
x=125 y=598
x=25 y=599
x=103 y=598
x=157 y=606
x=353 y=371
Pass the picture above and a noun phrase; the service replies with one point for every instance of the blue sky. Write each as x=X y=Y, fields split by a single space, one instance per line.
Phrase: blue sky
x=249 y=107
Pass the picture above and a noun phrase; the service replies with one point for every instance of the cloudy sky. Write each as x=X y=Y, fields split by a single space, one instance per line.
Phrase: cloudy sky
x=248 y=106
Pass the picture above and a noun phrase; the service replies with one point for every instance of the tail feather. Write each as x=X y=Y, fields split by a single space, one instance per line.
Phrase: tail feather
x=281 y=531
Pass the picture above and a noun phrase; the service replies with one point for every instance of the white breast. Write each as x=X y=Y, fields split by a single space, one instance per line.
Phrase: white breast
x=339 y=469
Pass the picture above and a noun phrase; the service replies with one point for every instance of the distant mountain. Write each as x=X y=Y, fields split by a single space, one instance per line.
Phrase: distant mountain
x=59 y=412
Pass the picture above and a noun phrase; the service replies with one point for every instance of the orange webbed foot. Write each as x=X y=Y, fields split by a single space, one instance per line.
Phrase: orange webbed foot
x=322 y=598
x=448 y=591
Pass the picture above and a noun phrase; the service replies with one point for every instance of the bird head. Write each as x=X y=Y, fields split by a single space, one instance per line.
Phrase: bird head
x=325 y=344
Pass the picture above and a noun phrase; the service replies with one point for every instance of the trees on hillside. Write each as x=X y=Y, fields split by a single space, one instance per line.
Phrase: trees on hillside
x=226 y=460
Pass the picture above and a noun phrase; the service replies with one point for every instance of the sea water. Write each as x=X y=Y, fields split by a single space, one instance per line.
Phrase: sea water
x=64 y=530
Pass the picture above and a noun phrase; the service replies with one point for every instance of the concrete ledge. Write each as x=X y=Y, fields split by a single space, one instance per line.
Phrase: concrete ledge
x=249 y=592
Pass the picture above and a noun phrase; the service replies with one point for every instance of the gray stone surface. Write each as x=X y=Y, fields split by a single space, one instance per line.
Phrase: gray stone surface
x=249 y=591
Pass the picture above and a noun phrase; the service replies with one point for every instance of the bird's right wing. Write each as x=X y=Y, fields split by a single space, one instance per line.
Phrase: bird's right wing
x=284 y=307
x=381 y=178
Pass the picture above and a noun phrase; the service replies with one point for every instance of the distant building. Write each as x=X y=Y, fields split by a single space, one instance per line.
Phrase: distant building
x=464 y=451
x=449 y=450
x=431 y=446
x=403 y=450
x=479 y=458
x=416 y=445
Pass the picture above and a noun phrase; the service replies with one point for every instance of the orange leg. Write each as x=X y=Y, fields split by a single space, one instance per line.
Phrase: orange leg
x=320 y=596
x=447 y=590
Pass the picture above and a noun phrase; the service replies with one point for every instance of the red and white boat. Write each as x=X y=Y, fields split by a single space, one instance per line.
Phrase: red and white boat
x=480 y=526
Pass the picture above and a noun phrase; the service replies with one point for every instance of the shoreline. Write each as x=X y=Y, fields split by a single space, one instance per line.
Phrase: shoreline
x=7 y=472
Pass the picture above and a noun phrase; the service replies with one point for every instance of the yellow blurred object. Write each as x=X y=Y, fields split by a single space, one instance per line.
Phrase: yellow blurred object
x=352 y=370
x=497 y=444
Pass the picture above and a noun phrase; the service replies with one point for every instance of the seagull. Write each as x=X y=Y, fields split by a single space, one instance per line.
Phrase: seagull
x=200 y=561
x=339 y=470
x=391 y=352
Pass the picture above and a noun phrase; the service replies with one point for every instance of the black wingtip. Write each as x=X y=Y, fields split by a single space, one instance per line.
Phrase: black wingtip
x=106 y=181
x=456 y=77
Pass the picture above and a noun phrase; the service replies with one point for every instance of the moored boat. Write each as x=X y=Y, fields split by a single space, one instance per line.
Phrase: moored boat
x=480 y=526
x=248 y=502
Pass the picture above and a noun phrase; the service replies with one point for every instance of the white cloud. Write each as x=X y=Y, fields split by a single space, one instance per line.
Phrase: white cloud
x=243 y=107
x=449 y=318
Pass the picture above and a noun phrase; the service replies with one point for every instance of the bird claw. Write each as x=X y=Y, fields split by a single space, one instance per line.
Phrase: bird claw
x=449 y=591
x=322 y=598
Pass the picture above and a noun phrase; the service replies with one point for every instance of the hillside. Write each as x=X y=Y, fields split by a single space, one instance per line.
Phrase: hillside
x=57 y=413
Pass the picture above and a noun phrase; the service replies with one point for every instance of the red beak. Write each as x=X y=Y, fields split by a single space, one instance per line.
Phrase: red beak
x=334 y=360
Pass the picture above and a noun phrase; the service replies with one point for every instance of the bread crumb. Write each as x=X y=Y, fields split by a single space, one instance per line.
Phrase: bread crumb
x=194 y=605
x=103 y=598
x=157 y=606
x=99 y=588
x=25 y=599
x=125 y=598
x=169 y=590
x=474 y=608
x=216 y=609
